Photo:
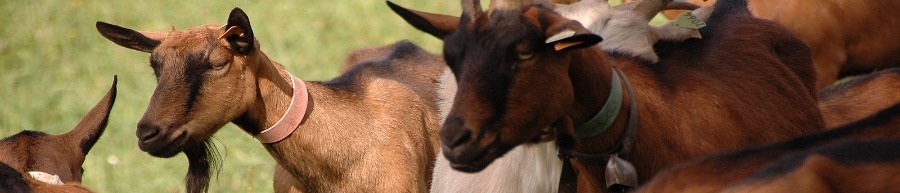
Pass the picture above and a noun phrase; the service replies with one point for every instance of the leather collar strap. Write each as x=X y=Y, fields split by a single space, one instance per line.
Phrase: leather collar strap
x=291 y=119
x=568 y=179
x=607 y=115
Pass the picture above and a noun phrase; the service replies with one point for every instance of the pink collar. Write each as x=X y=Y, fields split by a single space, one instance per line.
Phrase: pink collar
x=291 y=119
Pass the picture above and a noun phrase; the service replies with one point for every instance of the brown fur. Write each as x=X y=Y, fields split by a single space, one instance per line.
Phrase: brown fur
x=60 y=155
x=860 y=97
x=70 y=187
x=747 y=82
x=12 y=181
x=715 y=173
x=855 y=166
x=372 y=129
x=846 y=37
x=366 y=55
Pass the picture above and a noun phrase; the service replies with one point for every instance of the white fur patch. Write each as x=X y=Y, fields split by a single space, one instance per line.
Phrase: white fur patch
x=623 y=30
x=45 y=177
x=592 y=14
x=528 y=168
x=446 y=92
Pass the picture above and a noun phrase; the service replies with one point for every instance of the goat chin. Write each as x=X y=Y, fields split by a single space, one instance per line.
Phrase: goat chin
x=526 y=168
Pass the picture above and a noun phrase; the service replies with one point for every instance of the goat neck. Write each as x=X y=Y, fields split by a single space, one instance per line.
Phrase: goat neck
x=273 y=96
x=591 y=75
x=592 y=81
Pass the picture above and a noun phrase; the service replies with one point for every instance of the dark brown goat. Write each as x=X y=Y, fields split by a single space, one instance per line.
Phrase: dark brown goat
x=372 y=129
x=59 y=155
x=716 y=173
x=523 y=69
x=854 y=166
x=846 y=37
x=860 y=97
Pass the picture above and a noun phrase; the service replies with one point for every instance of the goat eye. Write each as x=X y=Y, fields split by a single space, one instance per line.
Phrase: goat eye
x=219 y=66
x=525 y=55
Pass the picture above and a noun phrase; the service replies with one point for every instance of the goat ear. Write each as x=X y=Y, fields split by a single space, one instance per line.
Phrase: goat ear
x=91 y=127
x=140 y=41
x=238 y=32
x=569 y=34
x=437 y=25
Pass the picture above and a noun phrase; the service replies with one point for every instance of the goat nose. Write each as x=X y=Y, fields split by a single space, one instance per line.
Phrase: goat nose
x=454 y=133
x=458 y=138
x=147 y=131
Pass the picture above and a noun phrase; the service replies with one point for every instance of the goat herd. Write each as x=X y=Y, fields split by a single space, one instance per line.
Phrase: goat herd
x=531 y=96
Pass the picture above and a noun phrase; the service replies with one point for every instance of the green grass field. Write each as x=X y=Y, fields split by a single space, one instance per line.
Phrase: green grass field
x=54 y=67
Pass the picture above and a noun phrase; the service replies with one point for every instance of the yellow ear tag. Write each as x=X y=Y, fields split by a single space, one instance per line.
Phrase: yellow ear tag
x=563 y=45
x=688 y=20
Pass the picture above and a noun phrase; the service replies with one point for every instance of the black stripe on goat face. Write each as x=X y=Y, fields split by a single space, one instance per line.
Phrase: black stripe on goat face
x=509 y=87
x=190 y=77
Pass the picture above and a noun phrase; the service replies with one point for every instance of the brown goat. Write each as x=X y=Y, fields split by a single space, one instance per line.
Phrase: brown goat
x=716 y=173
x=523 y=69
x=372 y=129
x=12 y=181
x=854 y=166
x=60 y=156
x=860 y=97
x=846 y=37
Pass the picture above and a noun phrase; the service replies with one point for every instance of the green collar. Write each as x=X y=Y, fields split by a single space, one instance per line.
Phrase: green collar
x=605 y=117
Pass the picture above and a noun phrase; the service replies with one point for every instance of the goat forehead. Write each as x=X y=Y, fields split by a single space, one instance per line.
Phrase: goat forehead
x=189 y=41
x=183 y=50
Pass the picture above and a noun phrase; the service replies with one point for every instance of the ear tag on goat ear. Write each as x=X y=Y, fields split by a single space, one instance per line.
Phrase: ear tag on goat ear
x=688 y=20
x=563 y=45
x=231 y=31
x=45 y=177
x=559 y=36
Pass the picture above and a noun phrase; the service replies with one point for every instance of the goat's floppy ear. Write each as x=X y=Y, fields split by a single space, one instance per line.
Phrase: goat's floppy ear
x=568 y=34
x=435 y=24
x=238 y=32
x=91 y=127
x=140 y=41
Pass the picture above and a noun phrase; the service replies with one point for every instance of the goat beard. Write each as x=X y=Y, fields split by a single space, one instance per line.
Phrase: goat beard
x=203 y=161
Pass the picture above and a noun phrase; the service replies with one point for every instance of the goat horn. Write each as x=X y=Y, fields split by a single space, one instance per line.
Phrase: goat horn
x=508 y=4
x=647 y=9
x=471 y=8
x=546 y=3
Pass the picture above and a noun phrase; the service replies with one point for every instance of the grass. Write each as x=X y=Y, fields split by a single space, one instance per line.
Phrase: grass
x=55 y=67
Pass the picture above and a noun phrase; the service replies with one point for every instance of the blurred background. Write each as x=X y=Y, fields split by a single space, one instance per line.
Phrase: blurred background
x=54 y=67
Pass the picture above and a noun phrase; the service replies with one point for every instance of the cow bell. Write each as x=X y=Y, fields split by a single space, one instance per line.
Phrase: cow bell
x=620 y=174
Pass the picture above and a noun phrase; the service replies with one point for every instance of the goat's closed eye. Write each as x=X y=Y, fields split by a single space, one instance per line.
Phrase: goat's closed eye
x=219 y=66
x=524 y=51
x=525 y=55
